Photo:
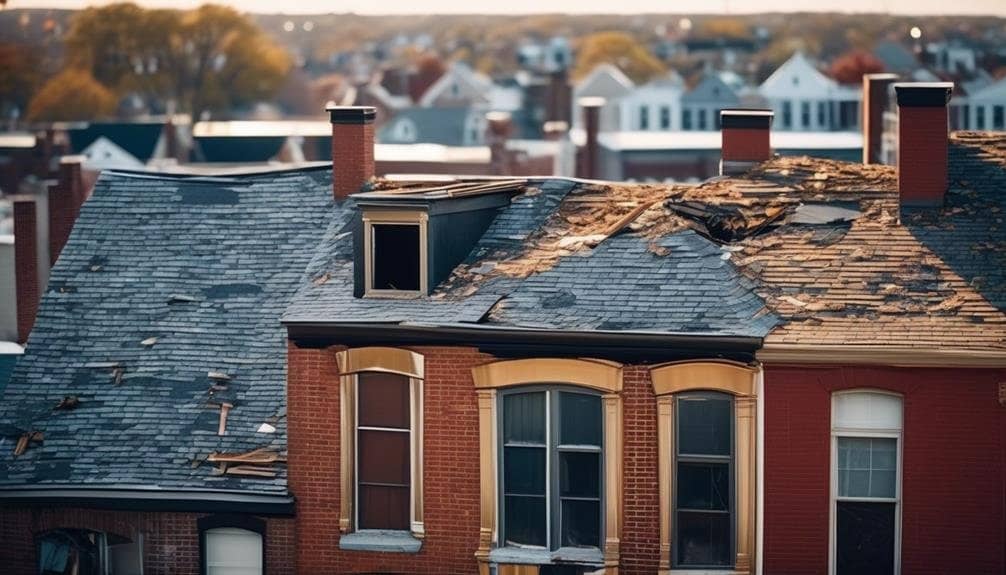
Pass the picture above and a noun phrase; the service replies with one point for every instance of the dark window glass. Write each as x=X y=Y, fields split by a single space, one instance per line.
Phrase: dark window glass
x=525 y=520
x=384 y=400
x=805 y=114
x=864 y=538
x=384 y=448
x=997 y=118
x=703 y=539
x=396 y=257
x=705 y=427
x=581 y=419
x=787 y=114
x=579 y=474
x=979 y=117
x=644 y=118
x=704 y=486
x=822 y=114
x=703 y=124
x=524 y=471
x=665 y=118
x=581 y=523
x=524 y=418
x=384 y=507
x=686 y=119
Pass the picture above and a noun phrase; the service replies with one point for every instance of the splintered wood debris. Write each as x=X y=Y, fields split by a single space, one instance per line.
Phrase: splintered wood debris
x=256 y=463
x=27 y=439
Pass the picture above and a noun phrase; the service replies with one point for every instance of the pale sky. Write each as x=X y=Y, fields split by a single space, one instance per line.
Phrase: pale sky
x=921 y=7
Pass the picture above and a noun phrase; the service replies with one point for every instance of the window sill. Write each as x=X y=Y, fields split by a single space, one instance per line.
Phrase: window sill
x=380 y=540
x=526 y=556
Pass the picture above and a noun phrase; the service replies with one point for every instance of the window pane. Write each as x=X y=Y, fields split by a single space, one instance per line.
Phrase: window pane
x=867 y=410
x=704 y=486
x=524 y=418
x=524 y=470
x=581 y=419
x=232 y=550
x=704 y=425
x=525 y=520
x=383 y=457
x=579 y=474
x=865 y=538
x=703 y=538
x=581 y=523
x=867 y=467
x=396 y=257
x=384 y=507
x=383 y=400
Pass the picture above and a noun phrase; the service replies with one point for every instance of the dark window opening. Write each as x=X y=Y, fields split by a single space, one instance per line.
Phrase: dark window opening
x=998 y=119
x=703 y=506
x=787 y=114
x=822 y=114
x=865 y=538
x=86 y=552
x=979 y=117
x=395 y=257
x=686 y=119
x=665 y=118
x=703 y=123
x=552 y=469
x=644 y=117
x=384 y=451
x=805 y=114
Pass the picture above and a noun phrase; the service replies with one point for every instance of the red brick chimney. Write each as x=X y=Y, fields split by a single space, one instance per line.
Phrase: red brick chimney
x=498 y=128
x=922 y=142
x=26 y=278
x=591 y=158
x=746 y=139
x=875 y=100
x=65 y=199
x=352 y=148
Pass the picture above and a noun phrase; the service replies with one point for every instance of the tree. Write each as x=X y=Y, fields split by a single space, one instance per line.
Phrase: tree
x=619 y=49
x=19 y=75
x=71 y=95
x=724 y=28
x=429 y=69
x=850 y=67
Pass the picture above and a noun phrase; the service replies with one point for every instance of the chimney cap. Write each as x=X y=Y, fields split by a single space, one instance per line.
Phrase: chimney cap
x=492 y=117
x=746 y=118
x=591 y=102
x=555 y=126
x=881 y=76
x=923 y=94
x=351 y=114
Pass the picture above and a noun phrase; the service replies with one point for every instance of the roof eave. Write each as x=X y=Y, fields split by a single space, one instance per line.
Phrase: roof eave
x=890 y=356
x=140 y=498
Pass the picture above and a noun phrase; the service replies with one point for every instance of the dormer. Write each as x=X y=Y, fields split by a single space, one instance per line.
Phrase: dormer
x=406 y=241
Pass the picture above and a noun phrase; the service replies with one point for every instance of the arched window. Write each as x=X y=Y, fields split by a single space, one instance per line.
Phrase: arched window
x=232 y=545
x=866 y=448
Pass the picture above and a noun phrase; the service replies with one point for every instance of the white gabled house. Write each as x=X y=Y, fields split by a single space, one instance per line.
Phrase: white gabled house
x=654 y=106
x=985 y=109
x=608 y=82
x=806 y=100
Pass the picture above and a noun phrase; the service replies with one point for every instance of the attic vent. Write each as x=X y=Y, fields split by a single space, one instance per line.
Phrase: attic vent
x=395 y=257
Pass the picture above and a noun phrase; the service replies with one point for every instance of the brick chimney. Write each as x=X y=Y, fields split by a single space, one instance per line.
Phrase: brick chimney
x=499 y=125
x=65 y=199
x=26 y=272
x=352 y=148
x=922 y=142
x=591 y=158
x=746 y=139
x=875 y=101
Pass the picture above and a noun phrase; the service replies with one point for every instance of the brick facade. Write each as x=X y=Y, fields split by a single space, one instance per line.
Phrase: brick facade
x=170 y=540
x=26 y=265
x=954 y=459
x=352 y=157
x=922 y=155
x=746 y=144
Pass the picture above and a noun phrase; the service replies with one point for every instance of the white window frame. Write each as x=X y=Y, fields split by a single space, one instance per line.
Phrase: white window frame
x=833 y=497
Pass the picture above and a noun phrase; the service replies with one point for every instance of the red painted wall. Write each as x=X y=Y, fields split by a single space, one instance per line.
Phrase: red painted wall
x=170 y=540
x=954 y=459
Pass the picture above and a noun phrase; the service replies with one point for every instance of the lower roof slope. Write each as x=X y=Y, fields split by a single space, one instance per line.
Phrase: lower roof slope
x=163 y=281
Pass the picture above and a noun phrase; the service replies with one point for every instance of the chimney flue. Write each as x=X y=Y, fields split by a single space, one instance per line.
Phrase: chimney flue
x=591 y=107
x=746 y=139
x=875 y=101
x=922 y=142
x=352 y=148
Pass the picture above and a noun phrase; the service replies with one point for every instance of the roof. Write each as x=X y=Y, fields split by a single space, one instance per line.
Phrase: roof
x=797 y=77
x=643 y=140
x=163 y=281
x=138 y=138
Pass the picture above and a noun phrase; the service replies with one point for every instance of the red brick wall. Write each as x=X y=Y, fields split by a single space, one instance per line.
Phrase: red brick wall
x=922 y=154
x=27 y=288
x=352 y=157
x=954 y=503
x=451 y=468
x=746 y=144
x=170 y=540
x=65 y=198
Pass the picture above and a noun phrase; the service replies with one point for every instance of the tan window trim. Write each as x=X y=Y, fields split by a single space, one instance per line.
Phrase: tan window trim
x=388 y=360
x=415 y=217
x=735 y=379
x=600 y=375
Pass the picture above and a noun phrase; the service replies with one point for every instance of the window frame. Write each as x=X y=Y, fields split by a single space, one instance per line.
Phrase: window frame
x=104 y=548
x=396 y=361
x=644 y=117
x=998 y=117
x=553 y=448
x=230 y=521
x=833 y=498
x=377 y=217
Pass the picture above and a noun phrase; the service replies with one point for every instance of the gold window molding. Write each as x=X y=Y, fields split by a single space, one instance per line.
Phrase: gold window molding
x=738 y=380
x=595 y=374
x=388 y=360
x=371 y=218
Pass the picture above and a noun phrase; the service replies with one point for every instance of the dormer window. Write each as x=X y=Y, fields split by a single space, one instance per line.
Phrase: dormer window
x=395 y=252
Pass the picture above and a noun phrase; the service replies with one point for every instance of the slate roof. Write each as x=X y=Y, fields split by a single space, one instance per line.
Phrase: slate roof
x=205 y=266
x=137 y=138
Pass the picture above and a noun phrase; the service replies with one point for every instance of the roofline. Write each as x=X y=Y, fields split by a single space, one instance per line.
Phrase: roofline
x=892 y=356
x=144 y=498
x=506 y=341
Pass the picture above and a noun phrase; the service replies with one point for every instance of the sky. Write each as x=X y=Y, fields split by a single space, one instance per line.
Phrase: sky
x=921 y=7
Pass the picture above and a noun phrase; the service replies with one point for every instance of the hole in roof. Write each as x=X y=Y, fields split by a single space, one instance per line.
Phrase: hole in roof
x=821 y=214
x=396 y=257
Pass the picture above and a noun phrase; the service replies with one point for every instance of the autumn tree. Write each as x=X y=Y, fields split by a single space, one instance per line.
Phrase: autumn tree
x=619 y=49
x=723 y=28
x=850 y=67
x=71 y=95
x=19 y=76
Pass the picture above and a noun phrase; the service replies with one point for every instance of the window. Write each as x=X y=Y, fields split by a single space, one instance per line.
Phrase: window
x=394 y=247
x=998 y=120
x=551 y=460
x=381 y=463
x=87 y=552
x=822 y=115
x=979 y=117
x=866 y=491
x=703 y=123
x=787 y=114
x=686 y=119
x=805 y=114
x=644 y=117
x=665 y=117
x=233 y=551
